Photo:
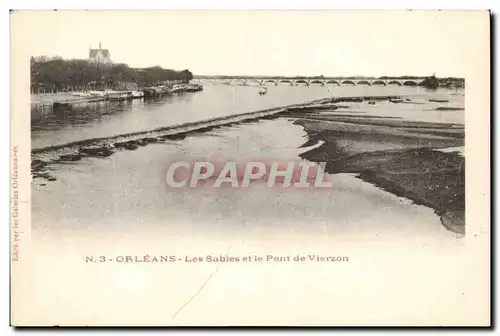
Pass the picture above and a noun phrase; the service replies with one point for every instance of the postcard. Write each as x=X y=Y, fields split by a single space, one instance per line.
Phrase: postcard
x=250 y=168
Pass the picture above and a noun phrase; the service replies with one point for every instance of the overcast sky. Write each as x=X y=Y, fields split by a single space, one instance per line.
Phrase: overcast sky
x=369 y=43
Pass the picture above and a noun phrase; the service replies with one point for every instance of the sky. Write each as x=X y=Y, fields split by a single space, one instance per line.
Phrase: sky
x=284 y=43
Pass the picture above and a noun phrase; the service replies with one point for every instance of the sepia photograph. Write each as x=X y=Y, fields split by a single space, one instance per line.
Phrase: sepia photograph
x=249 y=168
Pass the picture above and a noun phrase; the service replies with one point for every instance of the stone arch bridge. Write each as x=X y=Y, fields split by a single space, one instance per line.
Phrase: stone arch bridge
x=309 y=81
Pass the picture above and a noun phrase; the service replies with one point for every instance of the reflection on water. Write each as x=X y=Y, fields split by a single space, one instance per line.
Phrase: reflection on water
x=103 y=119
x=47 y=118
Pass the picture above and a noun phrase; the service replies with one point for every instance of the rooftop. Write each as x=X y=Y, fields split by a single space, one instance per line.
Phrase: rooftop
x=93 y=52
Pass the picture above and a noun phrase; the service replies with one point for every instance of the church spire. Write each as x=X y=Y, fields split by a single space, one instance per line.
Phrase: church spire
x=100 y=45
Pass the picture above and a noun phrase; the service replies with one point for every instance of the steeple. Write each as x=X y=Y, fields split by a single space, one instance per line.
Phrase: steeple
x=100 y=45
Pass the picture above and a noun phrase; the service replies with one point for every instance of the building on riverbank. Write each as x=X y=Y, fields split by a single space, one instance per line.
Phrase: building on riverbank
x=99 y=56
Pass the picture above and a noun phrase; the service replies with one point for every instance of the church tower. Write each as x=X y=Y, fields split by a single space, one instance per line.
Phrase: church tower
x=99 y=56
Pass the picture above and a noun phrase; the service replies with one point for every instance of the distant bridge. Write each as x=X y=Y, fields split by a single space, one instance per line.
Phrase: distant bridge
x=307 y=81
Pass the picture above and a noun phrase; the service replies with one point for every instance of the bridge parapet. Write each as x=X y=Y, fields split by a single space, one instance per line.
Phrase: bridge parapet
x=310 y=81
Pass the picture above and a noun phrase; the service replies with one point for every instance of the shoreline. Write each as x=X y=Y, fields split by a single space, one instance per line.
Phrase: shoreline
x=405 y=161
x=201 y=124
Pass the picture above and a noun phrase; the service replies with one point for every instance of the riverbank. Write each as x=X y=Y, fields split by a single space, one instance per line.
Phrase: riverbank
x=72 y=98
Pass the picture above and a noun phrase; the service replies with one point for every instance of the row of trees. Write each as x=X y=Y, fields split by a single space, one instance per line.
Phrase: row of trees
x=433 y=82
x=62 y=75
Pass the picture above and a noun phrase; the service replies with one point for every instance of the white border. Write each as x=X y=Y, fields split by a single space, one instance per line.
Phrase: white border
x=185 y=4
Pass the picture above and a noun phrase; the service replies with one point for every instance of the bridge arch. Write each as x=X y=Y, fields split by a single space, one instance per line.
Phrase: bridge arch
x=394 y=82
x=363 y=82
x=205 y=81
x=286 y=81
x=379 y=82
x=410 y=83
x=255 y=81
x=348 y=82
x=332 y=82
x=316 y=81
x=239 y=81
x=270 y=81
x=301 y=81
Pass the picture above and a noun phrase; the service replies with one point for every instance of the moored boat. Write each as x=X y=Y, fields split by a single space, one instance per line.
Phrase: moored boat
x=435 y=100
x=97 y=93
x=118 y=96
x=137 y=94
x=194 y=88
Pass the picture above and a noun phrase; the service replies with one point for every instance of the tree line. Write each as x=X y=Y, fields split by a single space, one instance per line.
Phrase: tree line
x=57 y=74
x=432 y=82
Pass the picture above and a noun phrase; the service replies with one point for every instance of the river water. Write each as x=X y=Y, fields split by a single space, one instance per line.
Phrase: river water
x=123 y=192
x=106 y=119
x=120 y=205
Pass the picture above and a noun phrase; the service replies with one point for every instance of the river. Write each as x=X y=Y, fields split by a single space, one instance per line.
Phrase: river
x=119 y=206
x=123 y=192
x=106 y=119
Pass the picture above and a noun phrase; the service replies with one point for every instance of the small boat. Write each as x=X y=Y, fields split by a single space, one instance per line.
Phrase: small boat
x=137 y=94
x=439 y=100
x=154 y=92
x=118 y=96
x=178 y=88
x=61 y=106
x=194 y=88
x=97 y=93
x=82 y=94
x=263 y=92
x=164 y=89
